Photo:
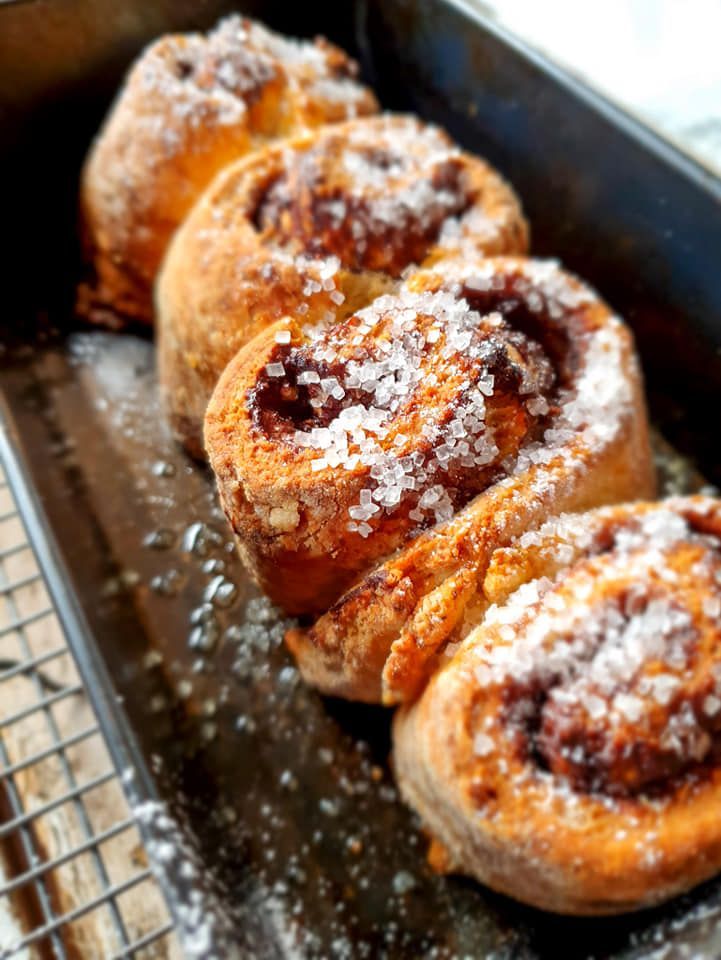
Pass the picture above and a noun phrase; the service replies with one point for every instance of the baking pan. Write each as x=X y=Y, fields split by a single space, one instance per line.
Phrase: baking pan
x=285 y=835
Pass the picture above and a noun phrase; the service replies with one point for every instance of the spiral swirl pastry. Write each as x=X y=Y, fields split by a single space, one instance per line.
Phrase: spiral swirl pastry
x=568 y=755
x=190 y=105
x=372 y=466
x=314 y=230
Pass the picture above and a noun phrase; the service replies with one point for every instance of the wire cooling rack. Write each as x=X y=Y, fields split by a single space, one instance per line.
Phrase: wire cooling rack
x=74 y=879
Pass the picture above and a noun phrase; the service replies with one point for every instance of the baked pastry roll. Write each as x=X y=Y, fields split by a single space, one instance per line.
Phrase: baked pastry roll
x=372 y=467
x=314 y=230
x=190 y=105
x=568 y=754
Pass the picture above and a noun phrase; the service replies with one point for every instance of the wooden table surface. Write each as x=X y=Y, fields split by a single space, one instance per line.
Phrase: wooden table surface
x=55 y=834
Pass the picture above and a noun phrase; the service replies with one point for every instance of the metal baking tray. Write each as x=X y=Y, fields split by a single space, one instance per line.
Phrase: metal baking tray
x=284 y=832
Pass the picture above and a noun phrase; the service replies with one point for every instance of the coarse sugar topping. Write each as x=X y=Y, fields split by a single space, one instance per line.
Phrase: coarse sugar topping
x=418 y=393
x=216 y=78
x=435 y=392
x=377 y=193
x=609 y=675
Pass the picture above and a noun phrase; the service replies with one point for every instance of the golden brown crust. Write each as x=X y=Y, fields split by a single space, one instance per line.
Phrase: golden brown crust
x=505 y=392
x=315 y=229
x=191 y=104
x=568 y=754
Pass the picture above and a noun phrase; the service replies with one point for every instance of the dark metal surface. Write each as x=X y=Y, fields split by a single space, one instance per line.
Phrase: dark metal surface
x=307 y=849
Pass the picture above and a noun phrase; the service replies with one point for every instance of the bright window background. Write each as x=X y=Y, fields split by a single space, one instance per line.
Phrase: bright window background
x=661 y=58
